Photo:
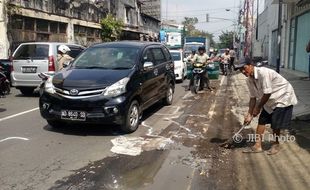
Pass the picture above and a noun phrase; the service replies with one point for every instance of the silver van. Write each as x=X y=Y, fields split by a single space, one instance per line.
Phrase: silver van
x=30 y=59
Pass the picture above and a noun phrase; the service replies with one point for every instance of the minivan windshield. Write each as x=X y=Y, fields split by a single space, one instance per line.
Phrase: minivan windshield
x=176 y=56
x=107 y=58
x=32 y=51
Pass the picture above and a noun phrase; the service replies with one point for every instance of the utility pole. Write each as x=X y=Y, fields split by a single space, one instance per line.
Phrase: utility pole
x=257 y=9
x=252 y=26
x=246 y=9
x=279 y=35
x=166 y=10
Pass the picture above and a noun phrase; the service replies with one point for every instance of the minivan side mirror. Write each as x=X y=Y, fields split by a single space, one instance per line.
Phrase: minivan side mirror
x=148 y=66
x=184 y=60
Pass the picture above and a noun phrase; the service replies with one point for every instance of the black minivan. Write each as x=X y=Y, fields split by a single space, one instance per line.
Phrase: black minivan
x=110 y=83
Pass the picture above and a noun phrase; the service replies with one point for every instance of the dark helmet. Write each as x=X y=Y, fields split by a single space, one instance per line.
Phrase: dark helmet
x=201 y=48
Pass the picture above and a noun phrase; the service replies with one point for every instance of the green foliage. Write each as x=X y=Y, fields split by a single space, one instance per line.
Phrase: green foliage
x=111 y=28
x=189 y=24
x=226 y=39
x=201 y=33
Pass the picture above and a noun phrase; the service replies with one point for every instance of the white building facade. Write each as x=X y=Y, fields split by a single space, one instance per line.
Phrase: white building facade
x=295 y=34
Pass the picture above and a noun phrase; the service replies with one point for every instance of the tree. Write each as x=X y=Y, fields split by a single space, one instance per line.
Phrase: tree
x=201 y=33
x=226 y=39
x=111 y=28
x=189 y=24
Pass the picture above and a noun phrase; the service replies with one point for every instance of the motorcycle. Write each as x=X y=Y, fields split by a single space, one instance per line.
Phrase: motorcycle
x=198 y=71
x=44 y=77
x=5 y=88
x=261 y=63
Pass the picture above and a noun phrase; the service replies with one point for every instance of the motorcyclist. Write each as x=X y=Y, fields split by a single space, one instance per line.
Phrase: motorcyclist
x=63 y=57
x=2 y=75
x=190 y=59
x=211 y=52
x=225 y=59
x=191 y=56
x=203 y=58
x=214 y=55
x=4 y=84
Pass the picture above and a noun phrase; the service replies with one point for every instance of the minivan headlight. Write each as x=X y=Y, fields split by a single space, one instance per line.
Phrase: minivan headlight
x=117 y=88
x=49 y=87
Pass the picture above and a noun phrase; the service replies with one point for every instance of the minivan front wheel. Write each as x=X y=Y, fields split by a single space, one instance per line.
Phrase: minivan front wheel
x=132 y=118
x=169 y=96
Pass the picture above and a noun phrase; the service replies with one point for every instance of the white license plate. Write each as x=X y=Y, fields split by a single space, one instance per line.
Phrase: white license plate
x=73 y=115
x=29 y=69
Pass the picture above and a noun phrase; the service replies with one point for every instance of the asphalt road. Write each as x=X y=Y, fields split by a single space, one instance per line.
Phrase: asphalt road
x=36 y=156
x=176 y=147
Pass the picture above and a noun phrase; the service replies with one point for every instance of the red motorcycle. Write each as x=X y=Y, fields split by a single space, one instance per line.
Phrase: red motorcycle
x=4 y=84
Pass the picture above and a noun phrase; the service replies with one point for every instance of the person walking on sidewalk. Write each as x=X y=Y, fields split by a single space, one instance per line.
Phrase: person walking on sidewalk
x=232 y=55
x=272 y=97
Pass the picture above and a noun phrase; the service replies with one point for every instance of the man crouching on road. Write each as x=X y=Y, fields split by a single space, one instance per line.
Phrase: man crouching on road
x=271 y=96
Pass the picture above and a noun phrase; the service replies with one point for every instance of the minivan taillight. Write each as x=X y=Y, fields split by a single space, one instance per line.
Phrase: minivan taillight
x=11 y=63
x=51 y=63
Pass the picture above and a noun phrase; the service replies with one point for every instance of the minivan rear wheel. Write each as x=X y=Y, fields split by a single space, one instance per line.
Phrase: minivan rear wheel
x=132 y=118
x=26 y=91
x=168 y=99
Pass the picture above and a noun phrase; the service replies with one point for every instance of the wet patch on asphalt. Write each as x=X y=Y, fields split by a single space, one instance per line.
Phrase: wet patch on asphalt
x=117 y=172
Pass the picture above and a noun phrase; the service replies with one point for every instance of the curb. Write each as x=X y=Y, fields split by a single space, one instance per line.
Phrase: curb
x=302 y=117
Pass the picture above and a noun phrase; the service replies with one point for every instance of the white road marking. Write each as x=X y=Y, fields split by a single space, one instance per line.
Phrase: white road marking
x=150 y=130
x=212 y=108
x=197 y=115
x=18 y=114
x=11 y=138
x=191 y=180
x=187 y=95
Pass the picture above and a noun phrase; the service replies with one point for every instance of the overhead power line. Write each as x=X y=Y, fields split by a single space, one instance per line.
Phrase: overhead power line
x=183 y=11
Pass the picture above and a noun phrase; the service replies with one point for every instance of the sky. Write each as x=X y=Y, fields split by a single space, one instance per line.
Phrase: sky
x=178 y=9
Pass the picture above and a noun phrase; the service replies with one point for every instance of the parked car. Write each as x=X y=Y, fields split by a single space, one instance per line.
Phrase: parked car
x=110 y=83
x=6 y=65
x=30 y=59
x=180 y=68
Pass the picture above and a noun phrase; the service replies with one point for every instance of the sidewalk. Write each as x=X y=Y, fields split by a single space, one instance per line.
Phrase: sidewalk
x=302 y=91
x=289 y=169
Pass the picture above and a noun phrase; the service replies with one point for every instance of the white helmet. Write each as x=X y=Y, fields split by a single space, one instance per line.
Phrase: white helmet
x=64 y=49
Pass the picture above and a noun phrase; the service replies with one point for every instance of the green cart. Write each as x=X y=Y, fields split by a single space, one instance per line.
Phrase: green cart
x=213 y=70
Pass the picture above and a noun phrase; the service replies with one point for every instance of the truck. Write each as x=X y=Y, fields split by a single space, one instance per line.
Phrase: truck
x=171 y=37
x=174 y=40
x=191 y=43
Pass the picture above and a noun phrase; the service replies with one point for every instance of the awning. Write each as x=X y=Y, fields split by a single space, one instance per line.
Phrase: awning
x=303 y=2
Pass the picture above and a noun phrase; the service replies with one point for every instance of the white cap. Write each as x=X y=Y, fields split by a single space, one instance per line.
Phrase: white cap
x=64 y=49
